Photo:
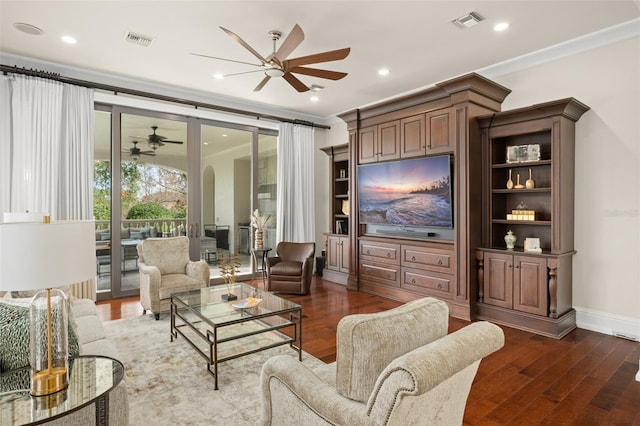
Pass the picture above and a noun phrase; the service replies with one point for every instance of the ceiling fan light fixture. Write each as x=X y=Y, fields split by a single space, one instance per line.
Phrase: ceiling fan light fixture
x=135 y=156
x=274 y=72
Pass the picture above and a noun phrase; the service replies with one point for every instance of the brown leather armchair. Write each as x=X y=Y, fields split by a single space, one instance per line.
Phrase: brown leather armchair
x=290 y=270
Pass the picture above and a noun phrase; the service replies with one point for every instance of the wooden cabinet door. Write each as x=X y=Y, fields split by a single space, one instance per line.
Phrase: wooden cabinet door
x=368 y=146
x=412 y=136
x=530 y=285
x=498 y=279
x=389 y=140
x=333 y=253
x=440 y=131
x=344 y=255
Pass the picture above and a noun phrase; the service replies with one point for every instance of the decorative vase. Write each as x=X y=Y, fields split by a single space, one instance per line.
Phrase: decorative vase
x=510 y=239
x=509 y=182
x=518 y=184
x=345 y=207
x=530 y=184
x=258 y=243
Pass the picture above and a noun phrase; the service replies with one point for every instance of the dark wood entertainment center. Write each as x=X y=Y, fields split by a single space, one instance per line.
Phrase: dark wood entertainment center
x=461 y=117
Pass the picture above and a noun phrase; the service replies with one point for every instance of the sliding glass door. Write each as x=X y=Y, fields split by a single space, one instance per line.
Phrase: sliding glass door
x=146 y=185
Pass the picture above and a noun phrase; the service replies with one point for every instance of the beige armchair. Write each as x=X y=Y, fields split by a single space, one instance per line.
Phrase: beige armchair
x=291 y=269
x=398 y=367
x=165 y=268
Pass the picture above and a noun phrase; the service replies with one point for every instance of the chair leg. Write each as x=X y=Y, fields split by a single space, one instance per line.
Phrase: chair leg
x=157 y=317
x=144 y=311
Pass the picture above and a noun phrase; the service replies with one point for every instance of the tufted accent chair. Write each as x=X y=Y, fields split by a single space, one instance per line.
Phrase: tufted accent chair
x=165 y=268
x=291 y=269
x=397 y=367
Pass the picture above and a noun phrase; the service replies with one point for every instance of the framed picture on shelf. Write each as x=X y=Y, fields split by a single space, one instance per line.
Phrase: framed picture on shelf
x=338 y=227
x=532 y=245
x=523 y=153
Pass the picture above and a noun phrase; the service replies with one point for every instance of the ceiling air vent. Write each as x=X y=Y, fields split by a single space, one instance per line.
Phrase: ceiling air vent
x=140 y=39
x=469 y=20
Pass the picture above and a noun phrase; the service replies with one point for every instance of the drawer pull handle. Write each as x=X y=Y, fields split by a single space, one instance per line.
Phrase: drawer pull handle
x=440 y=262
x=439 y=285
x=413 y=281
x=388 y=254
x=388 y=276
x=413 y=258
x=368 y=252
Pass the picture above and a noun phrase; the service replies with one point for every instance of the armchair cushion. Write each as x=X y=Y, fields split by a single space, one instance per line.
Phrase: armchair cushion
x=367 y=343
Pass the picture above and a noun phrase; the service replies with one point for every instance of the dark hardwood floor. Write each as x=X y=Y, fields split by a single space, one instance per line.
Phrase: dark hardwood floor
x=586 y=378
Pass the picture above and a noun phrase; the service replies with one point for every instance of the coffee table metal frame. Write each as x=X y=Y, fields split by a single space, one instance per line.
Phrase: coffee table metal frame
x=186 y=311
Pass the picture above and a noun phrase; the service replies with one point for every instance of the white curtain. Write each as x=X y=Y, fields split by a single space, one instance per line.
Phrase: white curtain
x=47 y=132
x=296 y=184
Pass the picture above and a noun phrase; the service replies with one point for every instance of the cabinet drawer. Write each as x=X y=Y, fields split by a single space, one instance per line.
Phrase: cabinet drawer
x=380 y=273
x=431 y=259
x=380 y=252
x=430 y=283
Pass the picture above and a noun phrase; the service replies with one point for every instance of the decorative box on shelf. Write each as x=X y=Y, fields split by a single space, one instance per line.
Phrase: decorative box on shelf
x=522 y=215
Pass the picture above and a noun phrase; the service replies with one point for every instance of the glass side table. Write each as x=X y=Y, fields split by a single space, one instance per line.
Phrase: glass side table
x=91 y=378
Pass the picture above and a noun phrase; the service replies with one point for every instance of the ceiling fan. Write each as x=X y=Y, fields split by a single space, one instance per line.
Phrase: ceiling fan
x=136 y=152
x=156 y=141
x=276 y=64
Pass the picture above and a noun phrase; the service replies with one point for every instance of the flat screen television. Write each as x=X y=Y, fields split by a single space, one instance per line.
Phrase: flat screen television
x=413 y=192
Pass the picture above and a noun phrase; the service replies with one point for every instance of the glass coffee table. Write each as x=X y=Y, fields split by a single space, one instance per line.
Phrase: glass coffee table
x=221 y=330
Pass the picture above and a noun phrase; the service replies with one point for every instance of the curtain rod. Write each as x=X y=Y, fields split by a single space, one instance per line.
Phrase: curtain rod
x=116 y=90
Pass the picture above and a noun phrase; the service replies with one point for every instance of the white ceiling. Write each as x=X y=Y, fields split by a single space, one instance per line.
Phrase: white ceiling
x=414 y=39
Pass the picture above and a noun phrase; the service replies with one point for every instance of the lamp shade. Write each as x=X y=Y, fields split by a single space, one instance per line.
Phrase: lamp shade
x=35 y=255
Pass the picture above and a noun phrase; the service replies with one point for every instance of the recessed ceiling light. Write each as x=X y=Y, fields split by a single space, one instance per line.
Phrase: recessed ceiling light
x=205 y=143
x=218 y=76
x=314 y=99
x=383 y=71
x=501 y=26
x=316 y=88
x=69 y=40
x=224 y=135
x=28 y=28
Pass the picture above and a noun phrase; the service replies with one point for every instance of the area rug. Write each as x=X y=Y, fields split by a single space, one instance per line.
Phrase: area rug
x=168 y=383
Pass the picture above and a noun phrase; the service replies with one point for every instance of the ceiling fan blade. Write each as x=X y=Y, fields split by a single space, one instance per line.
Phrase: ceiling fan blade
x=166 y=141
x=314 y=72
x=293 y=40
x=262 y=83
x=244 y=72
x=224 y=59
x=333 y=55
x=151 y=153
x=244 y=43
x=297 y=84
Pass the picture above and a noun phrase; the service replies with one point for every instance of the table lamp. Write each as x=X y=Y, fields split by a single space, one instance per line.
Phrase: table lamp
x=36 y=256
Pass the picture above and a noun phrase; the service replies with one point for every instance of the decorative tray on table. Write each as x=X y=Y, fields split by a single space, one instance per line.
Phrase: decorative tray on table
x=249 y=302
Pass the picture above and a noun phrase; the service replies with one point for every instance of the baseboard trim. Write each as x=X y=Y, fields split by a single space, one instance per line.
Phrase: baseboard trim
x=606 y=323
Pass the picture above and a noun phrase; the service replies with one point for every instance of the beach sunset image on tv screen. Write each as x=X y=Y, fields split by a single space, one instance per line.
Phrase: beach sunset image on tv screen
x=415 y=192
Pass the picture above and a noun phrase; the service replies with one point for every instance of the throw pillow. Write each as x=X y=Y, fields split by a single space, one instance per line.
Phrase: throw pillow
x=105 y=236
x=14 y=335
x=137 y=235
